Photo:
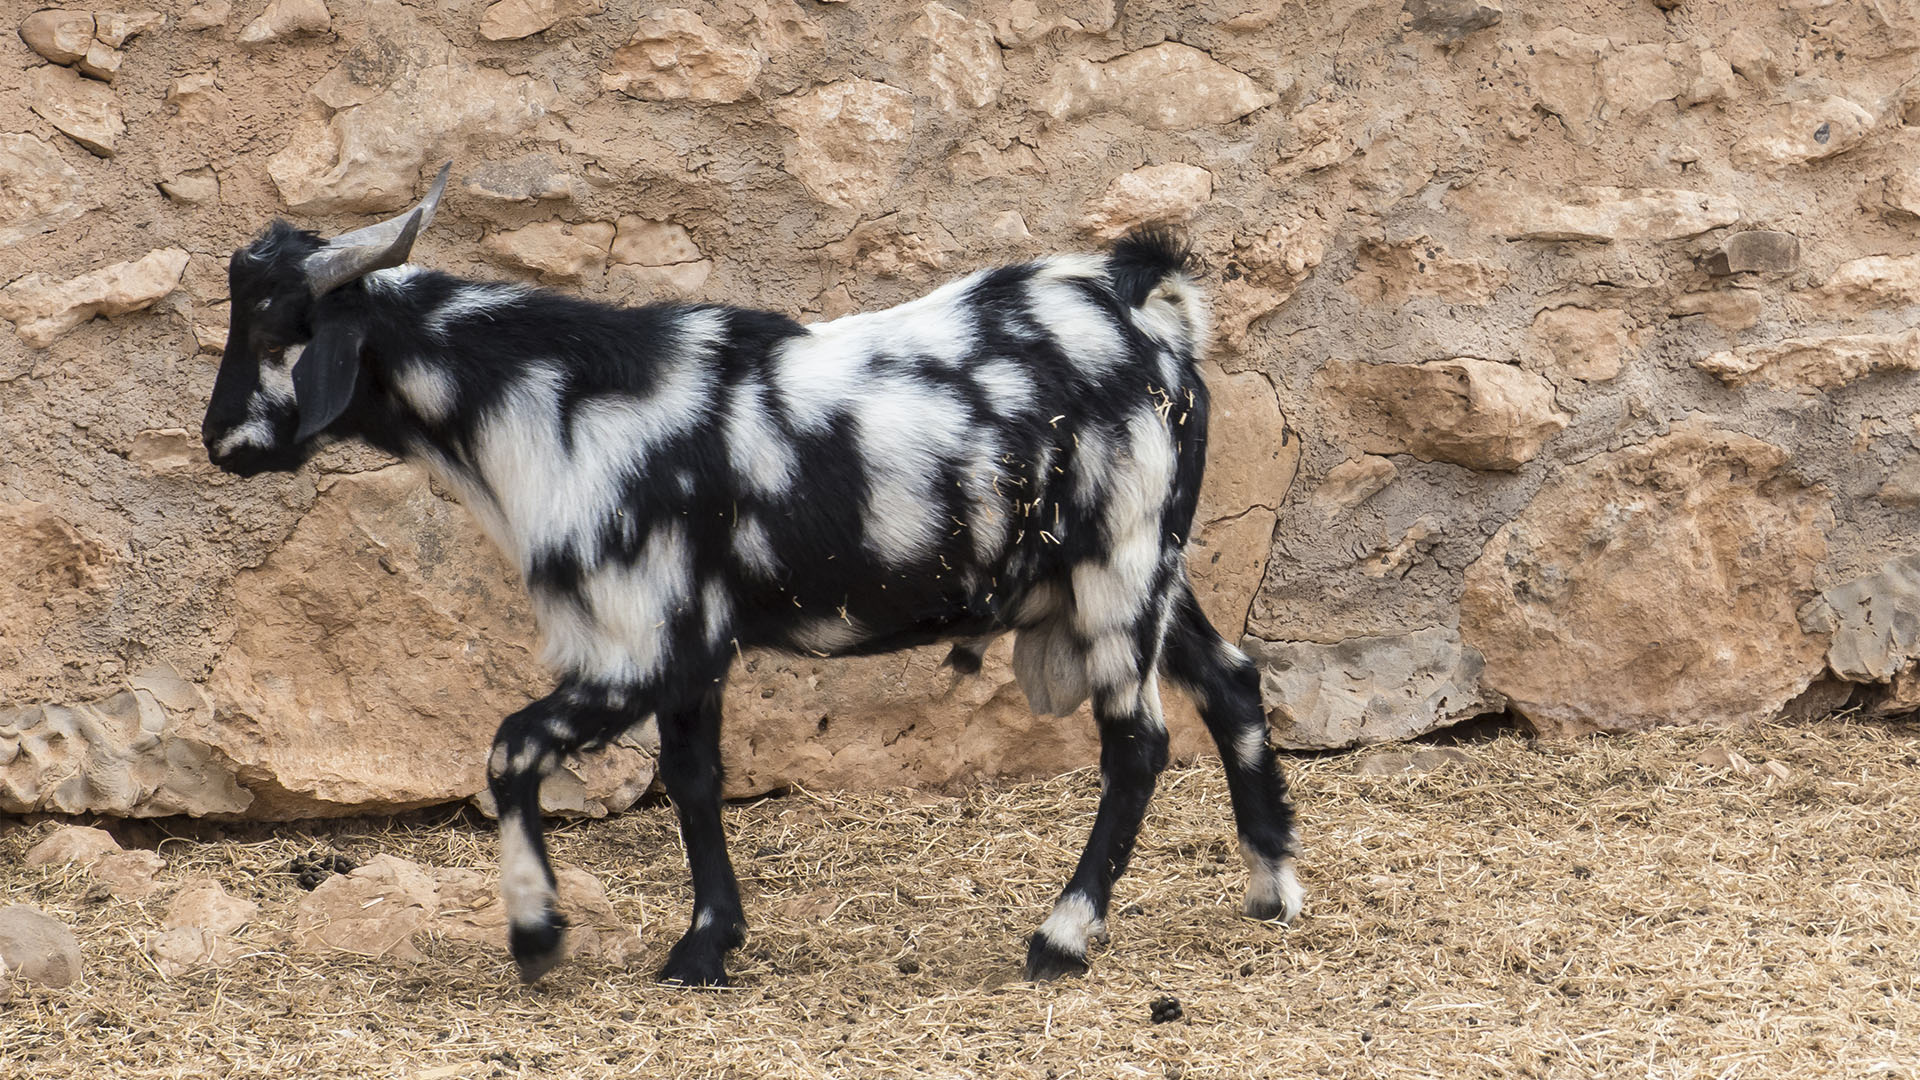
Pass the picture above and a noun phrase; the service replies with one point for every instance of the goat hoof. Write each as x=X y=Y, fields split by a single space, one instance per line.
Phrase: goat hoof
x=1047 y=961
x=705 y=972
x=537 y=948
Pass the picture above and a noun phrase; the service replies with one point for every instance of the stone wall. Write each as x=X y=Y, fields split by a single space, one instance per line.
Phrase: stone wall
x=1565 y=354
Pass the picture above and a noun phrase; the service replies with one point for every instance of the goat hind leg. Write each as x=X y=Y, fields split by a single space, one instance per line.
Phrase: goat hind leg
x=690 y=769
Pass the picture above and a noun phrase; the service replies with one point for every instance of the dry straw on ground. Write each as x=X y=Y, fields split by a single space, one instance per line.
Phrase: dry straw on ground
x=1603 y=908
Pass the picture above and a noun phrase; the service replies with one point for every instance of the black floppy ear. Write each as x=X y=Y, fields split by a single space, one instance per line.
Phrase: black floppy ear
x=325 y=374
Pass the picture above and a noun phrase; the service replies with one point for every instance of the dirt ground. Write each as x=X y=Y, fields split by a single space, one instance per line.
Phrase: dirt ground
x=1591 y=909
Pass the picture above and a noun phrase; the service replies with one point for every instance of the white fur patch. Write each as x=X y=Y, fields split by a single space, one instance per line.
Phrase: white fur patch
x=825 y=635
x=472 y=301
x=257 y=431
x=393 y=279
x=1071 y=924
x=624 y=636
x=1087 y=335
x=753 y=548
x=1250 y=743
x=428 y=389
x=760 y=455
x=523 y=883
x=1007 y=387
x=906 y=431
x=716 y=610
x=825 y=371
x=1273 y=880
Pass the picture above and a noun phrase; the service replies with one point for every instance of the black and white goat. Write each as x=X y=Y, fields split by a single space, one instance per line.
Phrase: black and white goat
x=1019 y=450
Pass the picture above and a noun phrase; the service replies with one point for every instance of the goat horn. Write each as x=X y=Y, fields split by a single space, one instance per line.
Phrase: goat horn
x=360 y=252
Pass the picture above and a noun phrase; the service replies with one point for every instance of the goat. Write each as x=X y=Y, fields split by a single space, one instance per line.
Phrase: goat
x=1018 y=451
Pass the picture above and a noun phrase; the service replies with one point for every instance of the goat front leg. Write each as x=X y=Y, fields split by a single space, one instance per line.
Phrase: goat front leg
x=527 y=747
x=690 y=769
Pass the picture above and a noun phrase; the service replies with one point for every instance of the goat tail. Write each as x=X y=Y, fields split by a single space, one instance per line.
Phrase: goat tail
x=1148 y=268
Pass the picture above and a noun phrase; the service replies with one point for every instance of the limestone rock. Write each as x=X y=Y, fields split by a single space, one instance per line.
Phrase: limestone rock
x=470 y=911
x=511 y=20
x=555 y=250
x=42 y=310
x=205 y=904
x=127 y=875
x=1606 y=214
x=72 y=844
x=1227 y=560
x=373 y=911
x=1466 y=411
x=672 y=281
x=1168 y=87
x=287 y=19
x=196 y=98
x=61 y=36
x=645 y=242
x=1252 y=455
x=401 y=95
x=1804 y=131
x=1393 y=273
x=1761 y=251
x=1151 y=194
x=963 y=63
x=1353 y=482
x=1581 y=343
x=38 y=947
x=674 y=55
x=206 y=15
x=533 y=178
x=1900 y=193
x=1368 y=689
x=1873 y=620
x=314 y=712
x=1728 y=309
x=1654 y=584
x=1873 y=282
x=1811 y=364
x=38 y=191
x=116 y=28
x=185 y=949
x=895 y=245
x=84 y=110
x=850 y=139
x=194 y=187
x=1262 y=272
x=1453 y=19
x=100 y=62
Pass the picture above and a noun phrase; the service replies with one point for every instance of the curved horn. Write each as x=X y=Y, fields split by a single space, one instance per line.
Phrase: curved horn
x=360 y=252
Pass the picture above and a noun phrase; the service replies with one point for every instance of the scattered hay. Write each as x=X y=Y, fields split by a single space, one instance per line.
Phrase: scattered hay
x=1602 y=908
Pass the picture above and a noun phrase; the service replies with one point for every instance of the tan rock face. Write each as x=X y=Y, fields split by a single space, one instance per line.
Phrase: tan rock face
x=1581 y=343
x=1393 y=273
x=1370 y=689
x=83 y=110
x=510 y=20
x=1641 y=579
x=1873 y=282
x=1151 y=194
x=1812 y=364
x=38 y=947
x=1598 y=213
x=1803 y=131
x=555 y=250
x=1171 y=87
x=1469 y=412
x=42 y=310
x=850 y=138
x=675 y=55
x=286 y=19
x=61 y=36
x=963 y=62
x=38 y=191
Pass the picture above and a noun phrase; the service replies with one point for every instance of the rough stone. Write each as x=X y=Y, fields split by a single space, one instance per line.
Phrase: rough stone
x=661 y=282
x=1226 y=560
x=196 y=98
x=963 y=63
x=1353 y=482
x=1151 y=194
x=1453 y=19
x=38 y=947
x=185 y=949
x=1393 y=273
x=1902 y=486
x=1607 y=214
x=82 y=109
x=511 y=20
x=38 y=191
x=1812 y=364
x=1654 y=584
x=101 y=62
x=72 y=844
x=206 y=15
x=1168 y=87
x=1261 y=272
x=1252 y=454
x=1581 y=343
x=203 y=903
x=42 y=310
x=1803 y=131
x=1761 y=251
x=646 y=242
x=194 y=187
x=556 y=250
x=1368 y=689
x=373 y=911
x=116 y=28
x=1873 y=622
x=61 y=36
x=1873 y=282
x=533 y=178
x=1466 y=411
x=1900 y=193
x=674 y=55
x=1728 y=309
x=128 y=875
x=895 y=245
x=285 y=19
x=850 y=139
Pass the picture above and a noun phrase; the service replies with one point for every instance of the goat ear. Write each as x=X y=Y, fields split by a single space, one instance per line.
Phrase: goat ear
x=325 y=374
